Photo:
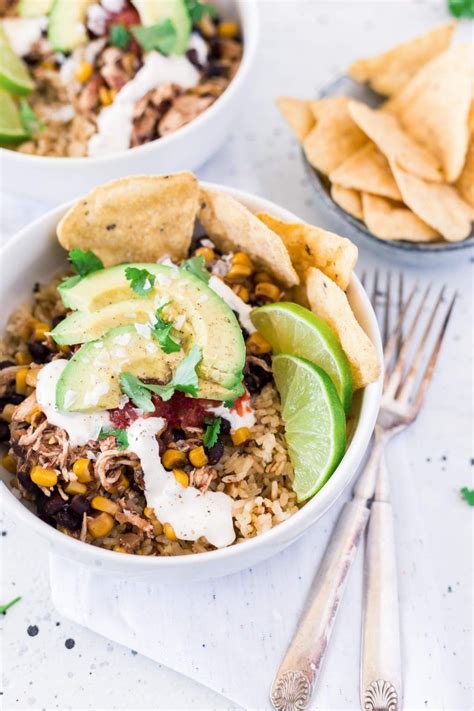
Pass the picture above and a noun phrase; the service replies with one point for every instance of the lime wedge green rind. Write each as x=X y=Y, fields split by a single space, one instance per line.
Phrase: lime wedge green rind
x=11 y=129
x=315 y=423
x=290 y=328
x=14 y=74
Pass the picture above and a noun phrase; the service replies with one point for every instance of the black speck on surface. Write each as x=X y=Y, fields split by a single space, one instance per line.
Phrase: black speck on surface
x=4 y=533
x=110 y=227
x=134 y=652
x=472 y=461
x=444 y=458
x=32 y=630
x=69 y=643
x=57 y=624
x=450 y=588
x=428 y=459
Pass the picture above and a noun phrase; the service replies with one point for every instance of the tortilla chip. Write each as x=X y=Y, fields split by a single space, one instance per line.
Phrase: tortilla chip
x=135 y=219
x=465 y=182
x=233 y=227
x=310 y=246
x=438 y=205
x=335 y=136
x=434 y=108
x=298 y=114
x=395 y=144
x=391 y=220
x=390 y=71
x=367 y=171
x=349 y=199
x=330 y=303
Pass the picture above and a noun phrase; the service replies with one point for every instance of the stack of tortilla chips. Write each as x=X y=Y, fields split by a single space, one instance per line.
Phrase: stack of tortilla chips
x=406 y=169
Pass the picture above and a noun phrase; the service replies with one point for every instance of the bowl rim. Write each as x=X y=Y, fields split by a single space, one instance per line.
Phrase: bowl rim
x=299 y=521
x=318 y=182
x=250 y=25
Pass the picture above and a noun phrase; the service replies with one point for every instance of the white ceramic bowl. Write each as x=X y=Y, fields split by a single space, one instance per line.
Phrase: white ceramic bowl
x=57 y=179
x=35 y=255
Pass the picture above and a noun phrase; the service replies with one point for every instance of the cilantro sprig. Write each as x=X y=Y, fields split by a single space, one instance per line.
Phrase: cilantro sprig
x=185 y=379
x=161 y=330
x=117 y=432
x=467 y=495
x=141 y=280
x=461 y=8
x=30 y=121
x=161 y=36
x=4 y=608
x=198 y=9
x=119 y=36
x=83 y=263
x=213 y=428
x=195 y=266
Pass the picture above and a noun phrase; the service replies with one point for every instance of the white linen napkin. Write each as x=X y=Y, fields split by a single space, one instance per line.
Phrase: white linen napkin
x=230 y=634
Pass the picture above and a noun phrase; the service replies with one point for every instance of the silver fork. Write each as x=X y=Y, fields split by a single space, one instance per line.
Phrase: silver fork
x=405 y=383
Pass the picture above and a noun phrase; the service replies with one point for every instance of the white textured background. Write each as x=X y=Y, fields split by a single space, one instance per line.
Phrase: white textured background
x=303 y=46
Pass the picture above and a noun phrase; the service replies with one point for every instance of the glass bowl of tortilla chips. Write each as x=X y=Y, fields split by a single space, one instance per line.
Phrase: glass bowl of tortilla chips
x=390 y=147
x=142 y=423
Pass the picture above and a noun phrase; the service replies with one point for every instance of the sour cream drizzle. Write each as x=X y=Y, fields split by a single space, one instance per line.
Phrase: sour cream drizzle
x=23 y=32
x=244 y=416
x=234 y=302
x=115 y=122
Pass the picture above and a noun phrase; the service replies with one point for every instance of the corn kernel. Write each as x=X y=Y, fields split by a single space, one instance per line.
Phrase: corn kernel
x=257 y=344
x=23 y=358
x=149 y=512
x=34 y=412
x=119 y=549
x=173 y=458
x=101 y=503
x=206 y=252
x=270 y=291
x=243 y=259
x=40 y=330
x=198 y=457
x=238 y=272
x=81 y=469
x=262 y=276
x=83 y=72
x=106 y=96
x=169 y=532
x=9 y=463
x=157 y=528
x=242 y=292
x=63 y=348
x=20 y=381
x=43 y=477
x=181 y=477
x=101 y=525
x=47 y=65
x=228 y=29
x=32 y=377
x=240 y=436
x=75 y=487
x=7 y=412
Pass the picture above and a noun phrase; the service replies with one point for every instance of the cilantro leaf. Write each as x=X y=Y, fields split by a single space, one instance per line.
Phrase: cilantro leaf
x=119 y=36
x=467 y=495
x=4 y=608
x=195 y=265
x=198 y=9
x=460 y=8
x=84 y=263
x=229 y=403
x=117 y=432
x=141 y=280
x=161 y=36
x=137 y=391
x=29 y=120
x=161 y=331
x=212 y=431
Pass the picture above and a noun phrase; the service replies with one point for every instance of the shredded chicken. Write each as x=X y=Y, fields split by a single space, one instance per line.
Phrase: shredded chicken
x=24 y=409
x=260 y=362
x=7 y=377
x=184 y=109
x=201 y=478
x=109 y=462
x=127 y=516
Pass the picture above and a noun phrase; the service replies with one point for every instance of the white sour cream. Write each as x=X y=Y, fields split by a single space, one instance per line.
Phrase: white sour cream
x=191 y=513
x=245 y=419
x=234 y=302
x=80 y=427
x=115 y=122
x=23 y=32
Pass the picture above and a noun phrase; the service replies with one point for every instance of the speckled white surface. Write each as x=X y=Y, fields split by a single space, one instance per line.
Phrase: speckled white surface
x=304 y=45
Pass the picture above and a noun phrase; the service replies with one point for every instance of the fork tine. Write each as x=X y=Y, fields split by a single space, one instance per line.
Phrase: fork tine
x=394 y=336
x=375 y=289
x=404 y=391
x=434 y=357
x=396 y=376
x=401 y=288
x=363 y=279
x=386 y=325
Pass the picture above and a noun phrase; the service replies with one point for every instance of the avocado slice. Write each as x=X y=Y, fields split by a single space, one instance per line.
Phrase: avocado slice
x=34 y=8
x=66 y=29
x=90 y=381
x=152 y=12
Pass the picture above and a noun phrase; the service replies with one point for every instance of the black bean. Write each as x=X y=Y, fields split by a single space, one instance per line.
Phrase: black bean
x=39 y=352
x=6 y=364
x=50 y=505
x=4 y=431
x=56 y=320
x=11 y=398
x=252 y=383
x=192 y=55
x=26 y=482
x=178 y=434
x=217 y=70
x=215 y=50
x=215 y=453
x=225 y=427
x=80 y=505
x=68 y=519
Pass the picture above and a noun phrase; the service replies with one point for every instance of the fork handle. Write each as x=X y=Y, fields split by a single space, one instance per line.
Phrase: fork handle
x=380 y=672
x=299 y=671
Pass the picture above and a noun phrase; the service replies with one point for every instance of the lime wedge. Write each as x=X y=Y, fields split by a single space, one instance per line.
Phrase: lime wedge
x=14 y=75
x=11 y=129
x=290 y=328
x=315 y=424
